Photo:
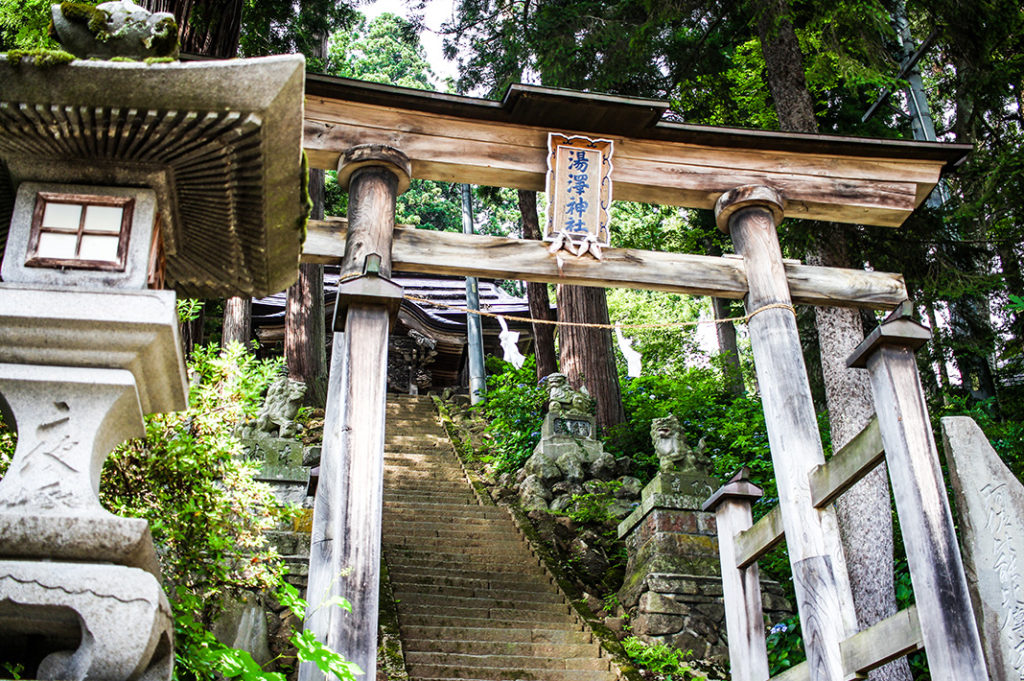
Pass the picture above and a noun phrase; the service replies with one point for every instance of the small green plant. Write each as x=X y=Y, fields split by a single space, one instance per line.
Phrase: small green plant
x=785 y=645
x=210 y=658
x=667 y=664
x=8 y=442
x=593 y=507
x=188 y=309
x=12 y=671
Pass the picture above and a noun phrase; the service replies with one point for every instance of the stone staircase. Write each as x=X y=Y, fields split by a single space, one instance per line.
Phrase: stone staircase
x=473 y=602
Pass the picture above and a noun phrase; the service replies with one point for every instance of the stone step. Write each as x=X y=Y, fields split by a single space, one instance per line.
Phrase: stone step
x=449 y=601
x=448 y=591
x=505 y=542
x=414 y=522
x=527 y=583
x=455 y=498
x=452 y=644
x=427 y=672
x=466 y=661
x=495 y=617
x=417 y=503
x=424 y=479
x=472 y=533
x=499 y=562
x=571 y=635
x=469 y=571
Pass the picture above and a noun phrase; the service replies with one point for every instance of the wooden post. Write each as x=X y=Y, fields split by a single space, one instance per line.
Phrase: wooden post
x=345 y=552
x=751 y=214
x=948 y=627
x=741 y=587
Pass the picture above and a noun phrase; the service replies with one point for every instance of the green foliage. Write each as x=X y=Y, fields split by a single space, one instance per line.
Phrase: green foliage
x=25 y=24
x=666 y=663
x=1005 y=434
x=8 y=442
x=514 y=411
x=207 y=514
x=387 y=50
x=785 y=645
x=290 y=26
x=188 y=309
x=208 y=658
x=593 y=507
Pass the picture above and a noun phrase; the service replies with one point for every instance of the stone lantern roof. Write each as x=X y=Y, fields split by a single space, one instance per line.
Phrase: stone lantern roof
x=219 y=142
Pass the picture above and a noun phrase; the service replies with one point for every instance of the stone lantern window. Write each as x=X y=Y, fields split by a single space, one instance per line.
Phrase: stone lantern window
x=83 y=236
x=80 y=231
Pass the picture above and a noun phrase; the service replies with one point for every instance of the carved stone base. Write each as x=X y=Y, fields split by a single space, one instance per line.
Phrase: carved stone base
x=85 y=621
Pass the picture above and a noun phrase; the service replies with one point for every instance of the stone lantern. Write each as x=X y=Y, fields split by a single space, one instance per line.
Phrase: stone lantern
x=121 y=183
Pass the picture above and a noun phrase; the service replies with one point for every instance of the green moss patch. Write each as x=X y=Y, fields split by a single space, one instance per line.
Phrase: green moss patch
x=40 y=57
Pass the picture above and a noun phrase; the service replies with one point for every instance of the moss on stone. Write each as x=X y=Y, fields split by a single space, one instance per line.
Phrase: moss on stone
x=40 y=57
x=164 y=38
x=87 y=15
x=157 y=60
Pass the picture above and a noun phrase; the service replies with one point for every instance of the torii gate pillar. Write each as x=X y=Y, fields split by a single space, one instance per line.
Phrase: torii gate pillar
x=750 y=215
x=345 y=550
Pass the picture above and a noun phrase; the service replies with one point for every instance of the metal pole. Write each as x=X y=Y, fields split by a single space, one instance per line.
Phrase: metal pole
x=474 y=330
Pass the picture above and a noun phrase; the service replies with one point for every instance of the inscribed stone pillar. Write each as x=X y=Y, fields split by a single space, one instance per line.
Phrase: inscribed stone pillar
x=990 y=506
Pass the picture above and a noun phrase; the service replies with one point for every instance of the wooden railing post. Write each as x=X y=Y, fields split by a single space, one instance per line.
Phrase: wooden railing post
x=750 y=215
x=741 y=587
x=345 y=552
x=948 y=627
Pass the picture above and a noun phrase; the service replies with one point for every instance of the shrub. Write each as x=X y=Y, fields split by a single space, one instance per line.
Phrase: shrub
x=514 y=409
x=665 y=663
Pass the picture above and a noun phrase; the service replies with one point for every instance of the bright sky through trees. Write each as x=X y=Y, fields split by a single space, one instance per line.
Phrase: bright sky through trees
x=435 y=13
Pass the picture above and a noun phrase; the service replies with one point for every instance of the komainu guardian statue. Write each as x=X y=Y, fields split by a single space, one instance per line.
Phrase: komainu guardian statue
x=672 y=450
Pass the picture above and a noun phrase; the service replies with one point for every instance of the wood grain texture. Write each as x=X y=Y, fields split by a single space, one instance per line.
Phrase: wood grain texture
x=755 y=542
x=795 y=441
x=345 y=556
x=952 y=643
x=741 y=587
x=851 y=463
x=429 y=252
x=820 y=186
x=376 y=188
x=883 y=642
x=837 y=187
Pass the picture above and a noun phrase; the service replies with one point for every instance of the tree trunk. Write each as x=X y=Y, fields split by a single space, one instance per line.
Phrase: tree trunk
x=586 y=353
x=304 y=332
x=725 y=332
x=237 y=321
x=728 y=350
x=537 y=294
x=207 y=27
x=864 y=512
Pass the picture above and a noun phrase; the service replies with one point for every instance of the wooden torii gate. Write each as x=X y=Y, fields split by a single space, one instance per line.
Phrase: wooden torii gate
x=378 y=137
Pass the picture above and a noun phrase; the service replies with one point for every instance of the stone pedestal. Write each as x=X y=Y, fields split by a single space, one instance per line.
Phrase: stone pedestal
x=673 y=581
x=80 y=596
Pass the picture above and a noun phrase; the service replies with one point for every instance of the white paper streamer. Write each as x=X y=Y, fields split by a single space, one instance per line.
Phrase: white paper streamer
x=509 y=343
x=633 y=359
